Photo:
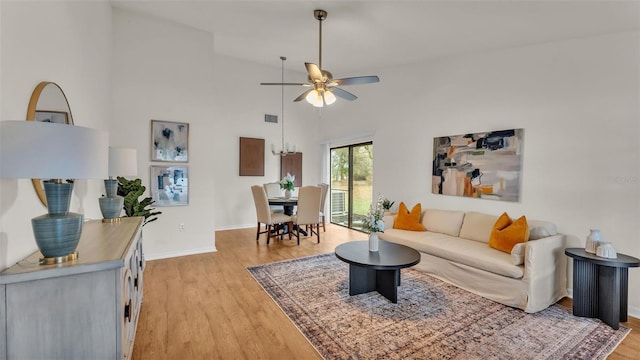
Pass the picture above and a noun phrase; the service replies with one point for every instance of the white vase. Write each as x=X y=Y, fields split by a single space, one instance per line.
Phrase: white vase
x=593 y=240
x=287 y=194
x=606 y=250
x=373 y=242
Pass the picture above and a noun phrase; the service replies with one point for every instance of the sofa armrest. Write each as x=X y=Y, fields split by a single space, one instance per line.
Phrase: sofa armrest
x=545 y=271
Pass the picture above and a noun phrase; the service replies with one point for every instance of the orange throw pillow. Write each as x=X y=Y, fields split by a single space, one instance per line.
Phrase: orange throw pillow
x=409 y=220
x=506 y=233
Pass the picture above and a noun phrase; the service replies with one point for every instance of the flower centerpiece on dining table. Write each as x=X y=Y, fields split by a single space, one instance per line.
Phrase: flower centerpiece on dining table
x=287 y=185
x=373 y=222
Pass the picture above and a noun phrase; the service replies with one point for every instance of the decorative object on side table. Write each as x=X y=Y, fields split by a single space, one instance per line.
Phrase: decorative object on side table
x=122 y=162
x=287 y=185
x=606 y=250
x=37 y=150
x=373 y=223
x=386 y=205
x=593 y=240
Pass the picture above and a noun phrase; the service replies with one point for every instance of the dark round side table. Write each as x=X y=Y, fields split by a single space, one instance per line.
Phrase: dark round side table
x=601 y=286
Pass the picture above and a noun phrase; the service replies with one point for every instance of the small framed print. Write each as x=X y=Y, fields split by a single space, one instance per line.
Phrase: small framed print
x=170 y=185
x=58 y=117
x=169 y=141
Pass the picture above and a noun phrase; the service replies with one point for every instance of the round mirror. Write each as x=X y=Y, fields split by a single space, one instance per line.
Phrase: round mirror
x=49 y=104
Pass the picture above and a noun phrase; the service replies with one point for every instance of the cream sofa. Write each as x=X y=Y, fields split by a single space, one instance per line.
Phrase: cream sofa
x=455 y=249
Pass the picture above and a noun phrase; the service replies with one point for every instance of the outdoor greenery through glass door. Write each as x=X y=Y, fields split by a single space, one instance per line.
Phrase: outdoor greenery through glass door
x=351 y=184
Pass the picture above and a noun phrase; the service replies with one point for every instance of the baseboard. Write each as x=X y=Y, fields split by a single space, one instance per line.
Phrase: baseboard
x=631 y=311
x=172 y=254
x=234 y=227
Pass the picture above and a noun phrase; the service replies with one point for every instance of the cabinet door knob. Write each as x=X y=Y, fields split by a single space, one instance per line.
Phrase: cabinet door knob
x=127 y=311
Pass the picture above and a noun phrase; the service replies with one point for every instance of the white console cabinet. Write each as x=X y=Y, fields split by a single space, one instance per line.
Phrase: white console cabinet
x=83 y=309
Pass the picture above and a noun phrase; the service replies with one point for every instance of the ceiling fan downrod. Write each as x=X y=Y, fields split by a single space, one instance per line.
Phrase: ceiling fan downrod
x=320 y=15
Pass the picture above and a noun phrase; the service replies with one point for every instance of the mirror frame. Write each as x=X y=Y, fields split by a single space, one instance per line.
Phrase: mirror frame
x=31 y=116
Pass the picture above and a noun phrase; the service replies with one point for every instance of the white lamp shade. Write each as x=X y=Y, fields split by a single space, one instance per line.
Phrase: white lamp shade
x=41 y=150
x=123 y=162
x=329 y=98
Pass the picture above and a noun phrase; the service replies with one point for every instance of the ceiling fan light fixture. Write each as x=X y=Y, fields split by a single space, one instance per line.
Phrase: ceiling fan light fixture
x=329 y=98
x=314 y=97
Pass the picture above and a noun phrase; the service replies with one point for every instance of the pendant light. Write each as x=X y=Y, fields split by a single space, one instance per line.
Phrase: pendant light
x=285 y=146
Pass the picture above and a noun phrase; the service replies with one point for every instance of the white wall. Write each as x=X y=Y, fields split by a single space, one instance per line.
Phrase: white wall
x=68 y=43
x=578 y=102
x=240 y=104
x=164 y=71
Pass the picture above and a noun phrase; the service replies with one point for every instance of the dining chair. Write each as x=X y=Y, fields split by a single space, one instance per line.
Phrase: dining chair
x=273 y=191
x=307 y=214
x=273 y=221
x=323 y=197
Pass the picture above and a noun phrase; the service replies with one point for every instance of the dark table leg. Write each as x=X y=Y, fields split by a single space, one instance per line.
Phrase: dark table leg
x=361 y=280
x=387 y=284
x=585 y=289
x=609 y=296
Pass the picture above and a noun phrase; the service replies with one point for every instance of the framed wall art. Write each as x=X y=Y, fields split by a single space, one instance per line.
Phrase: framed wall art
x=58 y=117
x=251 y=157
x=170 y=185
x=481 y=165
x=169 y=141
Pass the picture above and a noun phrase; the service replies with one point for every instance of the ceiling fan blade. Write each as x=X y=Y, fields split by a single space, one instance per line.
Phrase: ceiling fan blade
x=303 y=95
x=343 y=94
x=299 y=84
x=357 y=80
x=314 y=72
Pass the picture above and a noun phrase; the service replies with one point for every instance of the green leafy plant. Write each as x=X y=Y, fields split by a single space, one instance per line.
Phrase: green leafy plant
x=132 y=190
x=387 y=204
x=287 y=182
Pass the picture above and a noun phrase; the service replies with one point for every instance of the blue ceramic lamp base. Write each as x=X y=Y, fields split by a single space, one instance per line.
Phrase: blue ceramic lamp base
x=111 y=205
x=58 y=232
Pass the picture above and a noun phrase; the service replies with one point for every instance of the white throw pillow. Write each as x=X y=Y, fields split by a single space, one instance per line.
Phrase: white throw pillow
x=477 y=226
x=443 y=221
x=517 y=253
x=541 y=229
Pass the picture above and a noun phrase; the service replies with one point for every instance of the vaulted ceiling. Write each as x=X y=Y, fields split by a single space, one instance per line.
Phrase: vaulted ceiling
x=361 y=36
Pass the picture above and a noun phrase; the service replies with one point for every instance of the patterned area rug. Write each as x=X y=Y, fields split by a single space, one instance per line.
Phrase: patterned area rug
x=432 y=319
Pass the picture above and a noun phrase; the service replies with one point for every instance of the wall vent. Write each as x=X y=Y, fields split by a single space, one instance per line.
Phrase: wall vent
x=271 y=118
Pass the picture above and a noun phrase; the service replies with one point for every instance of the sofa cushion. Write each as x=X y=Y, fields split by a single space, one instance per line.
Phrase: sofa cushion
x=443 y=221
x=406 y=220
x=506 y=233
x=477 y=226
x=468 y=252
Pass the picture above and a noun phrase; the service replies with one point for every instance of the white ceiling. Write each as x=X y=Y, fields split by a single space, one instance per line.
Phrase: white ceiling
x=361 y=36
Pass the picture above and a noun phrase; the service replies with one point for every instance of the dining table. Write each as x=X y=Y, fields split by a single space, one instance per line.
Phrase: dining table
x=287 y=205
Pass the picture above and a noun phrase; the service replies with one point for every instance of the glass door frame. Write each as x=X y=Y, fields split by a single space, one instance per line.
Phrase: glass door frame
x=350 y=187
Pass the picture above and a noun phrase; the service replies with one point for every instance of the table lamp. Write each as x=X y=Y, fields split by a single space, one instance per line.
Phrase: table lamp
x=122 y=162
x=40 y=150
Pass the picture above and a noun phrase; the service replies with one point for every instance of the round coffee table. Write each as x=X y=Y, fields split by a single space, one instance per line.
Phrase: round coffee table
x=379 y=271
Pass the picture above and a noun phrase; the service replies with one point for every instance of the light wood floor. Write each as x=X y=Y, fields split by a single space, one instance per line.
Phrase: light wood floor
x=209 y=307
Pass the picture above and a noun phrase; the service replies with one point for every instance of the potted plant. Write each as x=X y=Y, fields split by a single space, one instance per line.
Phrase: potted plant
x=287 y=185
x=373 y=223
x=131 y=190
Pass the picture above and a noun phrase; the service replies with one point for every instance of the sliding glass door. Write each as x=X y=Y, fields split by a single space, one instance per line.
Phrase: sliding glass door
x=351 y=184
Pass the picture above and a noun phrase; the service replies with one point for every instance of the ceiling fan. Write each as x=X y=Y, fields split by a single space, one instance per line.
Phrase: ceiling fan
x=323 y=87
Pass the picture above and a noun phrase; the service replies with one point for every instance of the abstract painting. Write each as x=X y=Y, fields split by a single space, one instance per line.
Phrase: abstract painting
x=170 y=185
x=58 y=117
x=481 y=165
x=169 y=141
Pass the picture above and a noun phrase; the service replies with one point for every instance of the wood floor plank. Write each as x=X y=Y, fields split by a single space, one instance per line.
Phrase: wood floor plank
x=208 y=306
